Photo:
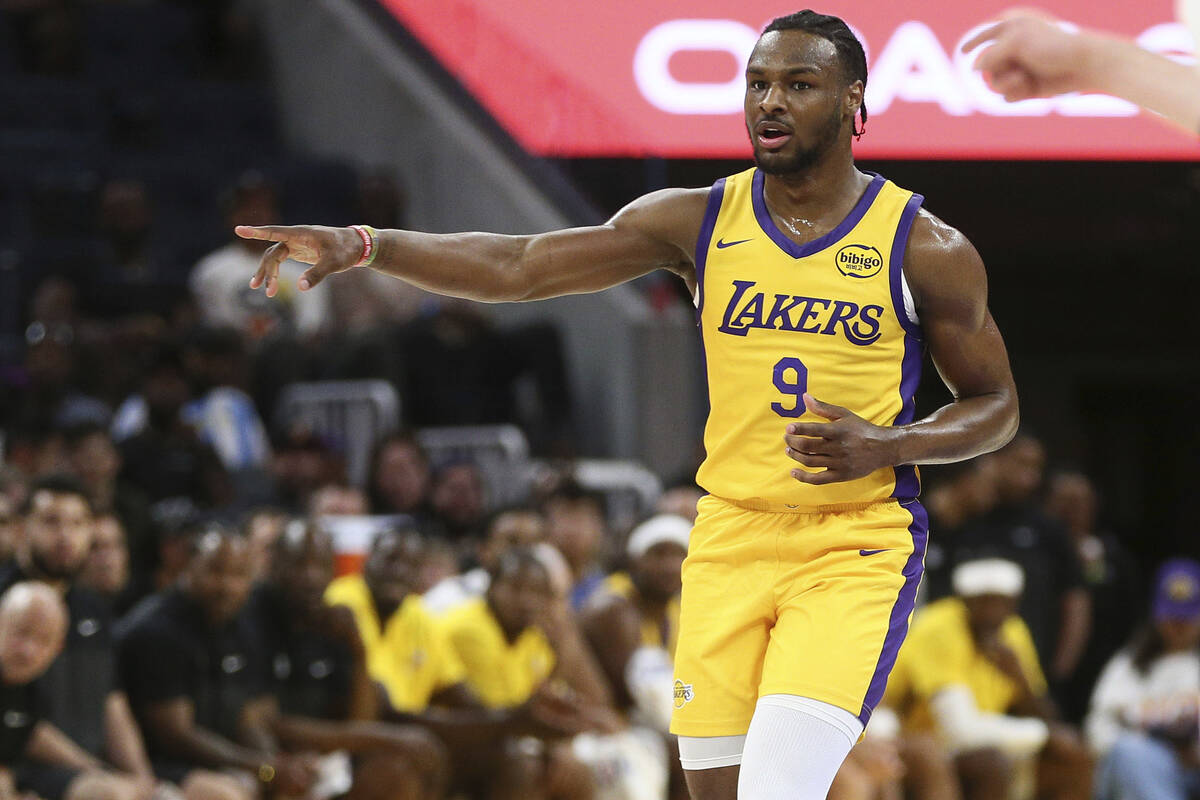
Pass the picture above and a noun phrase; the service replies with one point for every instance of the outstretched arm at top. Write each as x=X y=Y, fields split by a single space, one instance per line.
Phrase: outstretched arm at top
x=949 y=287
x=1028 y=55
x=657 y=231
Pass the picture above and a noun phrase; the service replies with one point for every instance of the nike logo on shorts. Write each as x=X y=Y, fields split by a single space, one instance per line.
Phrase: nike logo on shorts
x=722 y=244
x=873 y=552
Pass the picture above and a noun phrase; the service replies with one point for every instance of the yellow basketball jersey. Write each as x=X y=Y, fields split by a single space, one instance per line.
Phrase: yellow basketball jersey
x=778 y=319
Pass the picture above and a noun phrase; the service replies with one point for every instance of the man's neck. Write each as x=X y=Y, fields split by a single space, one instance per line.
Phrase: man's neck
x=833 y=183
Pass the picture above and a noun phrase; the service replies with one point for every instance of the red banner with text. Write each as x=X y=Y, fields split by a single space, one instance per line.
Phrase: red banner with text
x=664 y=77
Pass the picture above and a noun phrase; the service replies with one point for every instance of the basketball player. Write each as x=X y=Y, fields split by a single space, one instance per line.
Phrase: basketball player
x=818 y=287
x=1031 y=56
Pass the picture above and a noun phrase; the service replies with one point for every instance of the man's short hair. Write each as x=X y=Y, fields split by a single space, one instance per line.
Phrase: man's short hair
x=57 y=483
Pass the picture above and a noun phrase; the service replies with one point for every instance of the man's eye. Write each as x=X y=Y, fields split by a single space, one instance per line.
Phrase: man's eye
x=799 y=85
x=758 y=86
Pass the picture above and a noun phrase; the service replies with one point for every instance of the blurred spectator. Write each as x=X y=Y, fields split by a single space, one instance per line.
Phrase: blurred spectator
x=33 y=625
x=220 y=281
x=406 y=653
x=14 y=485
x=458 y=499
x=222 y=414
x=1144 y=721
x=132 y=275
x=459 y=370
x=511 y=640
x=80 y=693
x=399 y=477
x=871 y=771
x=49 y=36
x=576 y=525
x=365 y=301
x=680 y=500
x=262 y=529
x=439 y=562
x=969 y=672
x=334 y=499
x=195 y=667
x=49 y=394
x=94 y=459
x=10 y=529
x=632 y=627
x=326 y=698
x=634 y=621
x=106 y=571
x=163 y=457
x=1110 y=573
x=1055 y=605
x=507 y=529
x=303 y=462
x=517 y=638
x=963 y=492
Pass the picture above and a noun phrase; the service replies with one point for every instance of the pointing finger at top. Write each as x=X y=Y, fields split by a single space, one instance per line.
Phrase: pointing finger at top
x=270 y=233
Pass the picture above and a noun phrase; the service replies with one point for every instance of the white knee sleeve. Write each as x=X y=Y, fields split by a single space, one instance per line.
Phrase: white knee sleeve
x=710 y=752
x=794 y=748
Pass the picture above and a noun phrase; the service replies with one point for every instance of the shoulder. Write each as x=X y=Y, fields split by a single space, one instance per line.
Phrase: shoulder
x=941 y=264
x=674 y=216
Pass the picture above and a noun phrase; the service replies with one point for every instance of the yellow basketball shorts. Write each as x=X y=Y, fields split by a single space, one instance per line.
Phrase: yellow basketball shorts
x=809 y=604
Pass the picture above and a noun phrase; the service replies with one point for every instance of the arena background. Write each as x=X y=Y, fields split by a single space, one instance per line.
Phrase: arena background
x=127 y=125
x=1085 y=220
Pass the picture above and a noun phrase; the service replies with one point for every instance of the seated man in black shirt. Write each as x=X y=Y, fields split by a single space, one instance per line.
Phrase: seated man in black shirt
x=33 y=625
x=80 y=693
x=327 y=701
x=197 y=673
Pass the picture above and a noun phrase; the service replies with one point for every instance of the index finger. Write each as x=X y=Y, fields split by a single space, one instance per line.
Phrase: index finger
x=270 y=233
x=813 y=430
x=988 y=34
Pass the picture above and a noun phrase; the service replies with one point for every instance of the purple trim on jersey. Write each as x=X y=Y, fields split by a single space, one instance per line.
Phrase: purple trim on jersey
x=896 y=267
x=704 y=240
x=800 y=250
x=908 y=483
x=906 y=601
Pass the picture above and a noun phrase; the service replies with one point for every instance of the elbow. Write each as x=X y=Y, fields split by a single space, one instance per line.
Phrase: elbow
x=513 y=281
x=1009 y=417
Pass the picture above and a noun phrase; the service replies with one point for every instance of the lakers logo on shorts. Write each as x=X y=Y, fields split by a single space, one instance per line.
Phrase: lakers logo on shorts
x=683 y=693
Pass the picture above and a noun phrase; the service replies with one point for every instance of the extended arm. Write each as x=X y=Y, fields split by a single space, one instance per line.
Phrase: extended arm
x=657 y=231
x=1031 y=56
x=949 y=287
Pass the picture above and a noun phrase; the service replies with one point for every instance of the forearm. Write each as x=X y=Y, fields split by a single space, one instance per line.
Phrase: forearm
x=52 y=746
x=124 y=744
x=1122 y=68
x=1074 y=631
x=207 y=748
x=476 y=266
x=958 y=431
x=578 y=669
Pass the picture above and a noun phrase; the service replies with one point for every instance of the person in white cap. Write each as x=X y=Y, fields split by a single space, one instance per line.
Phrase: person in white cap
x=969 y=673
x=633 y=622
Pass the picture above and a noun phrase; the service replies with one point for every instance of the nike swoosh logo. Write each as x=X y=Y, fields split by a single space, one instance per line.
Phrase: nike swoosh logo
x=722 y=244
x=873 y=552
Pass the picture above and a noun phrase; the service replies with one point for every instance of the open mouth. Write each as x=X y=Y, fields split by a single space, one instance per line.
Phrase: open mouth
x=772 y=135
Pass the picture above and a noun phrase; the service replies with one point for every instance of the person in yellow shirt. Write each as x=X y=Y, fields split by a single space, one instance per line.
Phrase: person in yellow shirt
x=969 y=673
x=407 y=654
x=519 y=641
